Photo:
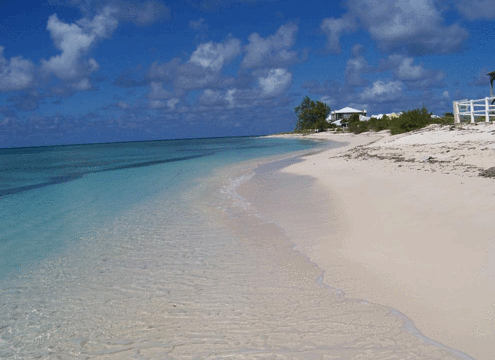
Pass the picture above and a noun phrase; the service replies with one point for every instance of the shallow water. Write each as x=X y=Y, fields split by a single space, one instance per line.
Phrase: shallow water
x=170 y=262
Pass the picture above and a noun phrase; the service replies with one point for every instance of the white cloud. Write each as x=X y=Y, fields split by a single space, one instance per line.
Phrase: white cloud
x=415 y=25
x=407 y=71
x=272 y=51
x=75 y=41
x=230 y=97
x=225 y=99
x=334 y=28
x=415 y=76
x=172 y=103
x=214 y=56
x=16 y=74
x=382 y=92
x=275 y=82
x=446 y=95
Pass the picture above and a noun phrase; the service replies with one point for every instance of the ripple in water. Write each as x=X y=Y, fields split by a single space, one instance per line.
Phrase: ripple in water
x=193 y=276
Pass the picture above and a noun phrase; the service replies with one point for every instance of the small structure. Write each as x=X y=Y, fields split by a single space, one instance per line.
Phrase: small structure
x=343 y=114
x=476 y=108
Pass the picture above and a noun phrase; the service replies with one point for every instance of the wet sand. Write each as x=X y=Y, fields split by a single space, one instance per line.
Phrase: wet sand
x=405 y=221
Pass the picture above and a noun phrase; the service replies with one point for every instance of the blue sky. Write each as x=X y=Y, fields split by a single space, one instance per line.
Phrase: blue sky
x=82 y=71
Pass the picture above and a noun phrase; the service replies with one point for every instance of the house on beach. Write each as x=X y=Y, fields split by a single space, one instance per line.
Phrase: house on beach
x=343 y=114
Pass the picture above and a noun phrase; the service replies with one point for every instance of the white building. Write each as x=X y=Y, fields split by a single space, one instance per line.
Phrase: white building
x=337 y=116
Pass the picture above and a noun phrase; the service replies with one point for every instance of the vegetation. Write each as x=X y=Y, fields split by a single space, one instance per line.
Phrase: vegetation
x=356 y=126
x=312 y=115
x=410 y=120
x=446 y=119
x=407 y=121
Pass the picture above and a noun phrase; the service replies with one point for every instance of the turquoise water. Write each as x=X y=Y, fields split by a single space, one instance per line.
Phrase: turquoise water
x=145 y=250
x=53 y=196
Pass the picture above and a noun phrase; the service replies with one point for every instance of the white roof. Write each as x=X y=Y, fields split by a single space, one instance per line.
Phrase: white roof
x=347 y=110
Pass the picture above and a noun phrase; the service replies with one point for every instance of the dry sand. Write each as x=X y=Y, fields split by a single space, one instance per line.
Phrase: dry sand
x=411 y=226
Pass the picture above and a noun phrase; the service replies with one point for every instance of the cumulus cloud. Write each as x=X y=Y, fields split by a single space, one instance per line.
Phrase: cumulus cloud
x=218 y=98
x=75 y=41
x=171 y=103
x=202 y=70
x=16 y=74
x=414 y=25
x=415 y=76
x=382 y=92
x=275 y=82
x=333 y=29
x=214 y=56
x=271 y=51
x=195 y=77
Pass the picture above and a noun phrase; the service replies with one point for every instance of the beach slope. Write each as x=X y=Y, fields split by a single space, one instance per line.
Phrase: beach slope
x=411 y=226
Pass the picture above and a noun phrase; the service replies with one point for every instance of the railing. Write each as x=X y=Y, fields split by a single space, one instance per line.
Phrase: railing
x=472 y=109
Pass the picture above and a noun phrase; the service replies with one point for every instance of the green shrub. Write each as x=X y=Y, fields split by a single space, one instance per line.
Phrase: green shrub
x=357 y=126
x=410 y=120
x=444 y=120
x=379 y=124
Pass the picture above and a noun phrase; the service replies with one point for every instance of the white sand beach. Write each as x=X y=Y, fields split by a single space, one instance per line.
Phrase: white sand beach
x=405 y=221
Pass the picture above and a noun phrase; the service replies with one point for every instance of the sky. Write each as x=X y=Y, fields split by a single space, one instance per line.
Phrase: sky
x=85 y=71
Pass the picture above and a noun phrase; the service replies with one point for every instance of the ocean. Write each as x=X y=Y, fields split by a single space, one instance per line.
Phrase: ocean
x=144 y=250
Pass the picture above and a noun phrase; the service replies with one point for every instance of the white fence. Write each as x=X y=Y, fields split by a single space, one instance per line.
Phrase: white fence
x=474 y=108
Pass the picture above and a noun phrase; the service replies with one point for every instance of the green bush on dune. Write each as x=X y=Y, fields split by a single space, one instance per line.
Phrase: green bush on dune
x=379 y=124
x=410 y=120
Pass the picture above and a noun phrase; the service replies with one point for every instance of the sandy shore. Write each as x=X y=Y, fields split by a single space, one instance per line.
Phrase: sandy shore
x=411 y=225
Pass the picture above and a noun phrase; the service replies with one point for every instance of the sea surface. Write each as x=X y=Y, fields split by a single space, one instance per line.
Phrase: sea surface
x=144 y=250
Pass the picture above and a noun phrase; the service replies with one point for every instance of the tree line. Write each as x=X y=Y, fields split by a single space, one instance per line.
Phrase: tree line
x=313 y=115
